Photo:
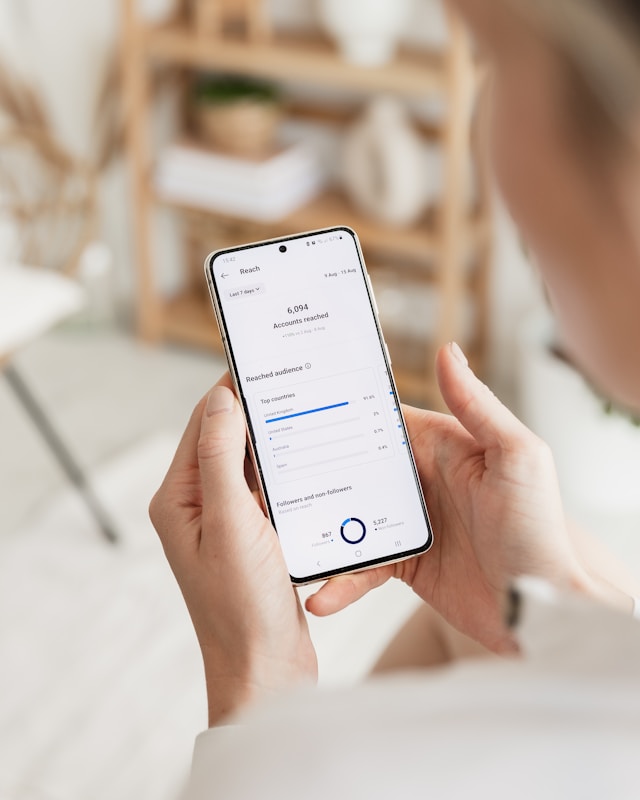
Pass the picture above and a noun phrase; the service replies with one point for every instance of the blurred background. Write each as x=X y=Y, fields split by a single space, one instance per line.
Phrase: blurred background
x=136 y=137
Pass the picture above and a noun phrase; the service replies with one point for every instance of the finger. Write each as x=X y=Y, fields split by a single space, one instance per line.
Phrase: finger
x=225 y=380
x=430 y=433
x=340 y=592
x=479 y=411
x=166 y=506
x=416 y=419
x=186 y=456
x=424 y=423
x=249 y=469
x=184 y=463
x=221 y=454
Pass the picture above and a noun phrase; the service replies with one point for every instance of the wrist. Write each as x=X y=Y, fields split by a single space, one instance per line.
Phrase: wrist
x=235 y=688
x=228 y=696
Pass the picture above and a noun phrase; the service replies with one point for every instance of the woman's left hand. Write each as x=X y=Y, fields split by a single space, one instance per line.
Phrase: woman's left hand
x=228 y=562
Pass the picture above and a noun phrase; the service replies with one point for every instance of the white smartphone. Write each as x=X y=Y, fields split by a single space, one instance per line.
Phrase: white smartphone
x=301 y=333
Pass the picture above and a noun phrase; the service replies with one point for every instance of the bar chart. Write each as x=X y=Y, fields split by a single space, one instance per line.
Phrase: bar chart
x=318 y=426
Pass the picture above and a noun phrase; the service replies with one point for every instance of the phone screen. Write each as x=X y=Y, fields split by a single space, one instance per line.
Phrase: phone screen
x=302 y=338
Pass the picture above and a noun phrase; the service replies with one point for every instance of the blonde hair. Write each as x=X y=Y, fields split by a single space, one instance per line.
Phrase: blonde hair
x=600 y=39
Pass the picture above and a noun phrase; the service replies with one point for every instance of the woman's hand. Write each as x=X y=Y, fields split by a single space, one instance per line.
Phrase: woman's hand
x=493 y=498
x=228 y=562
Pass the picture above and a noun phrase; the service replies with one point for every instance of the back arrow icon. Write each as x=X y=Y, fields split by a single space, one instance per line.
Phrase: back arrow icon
x=224 y=275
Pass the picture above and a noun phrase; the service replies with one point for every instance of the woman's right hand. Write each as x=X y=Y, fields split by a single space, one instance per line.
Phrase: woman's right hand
x=493 y=497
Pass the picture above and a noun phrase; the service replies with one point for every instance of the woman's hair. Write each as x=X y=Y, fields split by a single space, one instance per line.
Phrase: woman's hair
x=599 y=42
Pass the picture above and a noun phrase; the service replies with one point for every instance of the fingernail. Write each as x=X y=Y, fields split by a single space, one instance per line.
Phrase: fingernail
x=220 y=401
x=456 y=351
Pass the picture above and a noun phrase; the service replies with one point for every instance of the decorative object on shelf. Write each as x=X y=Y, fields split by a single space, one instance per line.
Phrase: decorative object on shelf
x=409 y=307
x=218 y=18
x=385 y=164
x=367 y=31
x=237 y=115
x=267 y=190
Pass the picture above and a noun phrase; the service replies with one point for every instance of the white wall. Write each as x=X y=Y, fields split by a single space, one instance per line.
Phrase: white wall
x=64 y=46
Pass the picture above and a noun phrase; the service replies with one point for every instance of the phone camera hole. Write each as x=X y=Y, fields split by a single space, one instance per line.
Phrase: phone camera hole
x=283 y=248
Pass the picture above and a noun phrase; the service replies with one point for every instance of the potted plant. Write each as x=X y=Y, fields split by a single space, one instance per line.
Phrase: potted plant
x=239 y=116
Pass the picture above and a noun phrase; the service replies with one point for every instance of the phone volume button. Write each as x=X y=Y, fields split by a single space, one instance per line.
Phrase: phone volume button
x=372 y=294
x=386 y=350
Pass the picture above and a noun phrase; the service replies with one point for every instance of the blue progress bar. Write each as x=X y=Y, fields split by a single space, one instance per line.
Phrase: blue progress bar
x=303 y=413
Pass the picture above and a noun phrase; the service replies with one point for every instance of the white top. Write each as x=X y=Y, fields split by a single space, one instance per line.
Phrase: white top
x=562 y=723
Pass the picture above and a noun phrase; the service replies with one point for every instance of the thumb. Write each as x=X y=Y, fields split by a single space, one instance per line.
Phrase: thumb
x=221 y=453
x=475 y=406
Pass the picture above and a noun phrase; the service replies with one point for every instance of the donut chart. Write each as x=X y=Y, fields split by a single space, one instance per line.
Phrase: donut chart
x=353 y=530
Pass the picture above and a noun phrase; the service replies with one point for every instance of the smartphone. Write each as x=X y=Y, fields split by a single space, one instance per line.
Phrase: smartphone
x=325 y=429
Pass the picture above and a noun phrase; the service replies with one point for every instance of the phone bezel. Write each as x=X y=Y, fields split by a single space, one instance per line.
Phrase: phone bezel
x=251 y=440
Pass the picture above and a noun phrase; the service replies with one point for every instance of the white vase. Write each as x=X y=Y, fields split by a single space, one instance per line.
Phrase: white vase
x=386 y=165
x=367 y=31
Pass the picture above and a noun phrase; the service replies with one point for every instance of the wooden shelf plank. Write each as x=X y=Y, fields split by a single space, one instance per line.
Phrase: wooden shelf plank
x=309 y=59
x=339 y=116
x=419 y=243
x=189 y=319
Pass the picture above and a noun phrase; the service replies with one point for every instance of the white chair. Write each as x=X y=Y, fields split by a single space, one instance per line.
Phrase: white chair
x=47 y=200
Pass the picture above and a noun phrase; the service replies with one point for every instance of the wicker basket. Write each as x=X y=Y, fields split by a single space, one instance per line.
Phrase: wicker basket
x=244 y=128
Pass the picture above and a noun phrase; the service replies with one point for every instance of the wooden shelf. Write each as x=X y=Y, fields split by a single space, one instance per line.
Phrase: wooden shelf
x=308 y=59
x=420 y=243
x=449 y=247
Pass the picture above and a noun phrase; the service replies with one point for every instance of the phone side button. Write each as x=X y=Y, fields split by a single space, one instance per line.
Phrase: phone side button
x=386 y=350
x=371 y=292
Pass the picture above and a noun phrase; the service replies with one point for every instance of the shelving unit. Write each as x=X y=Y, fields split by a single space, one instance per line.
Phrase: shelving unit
x=450 y=248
